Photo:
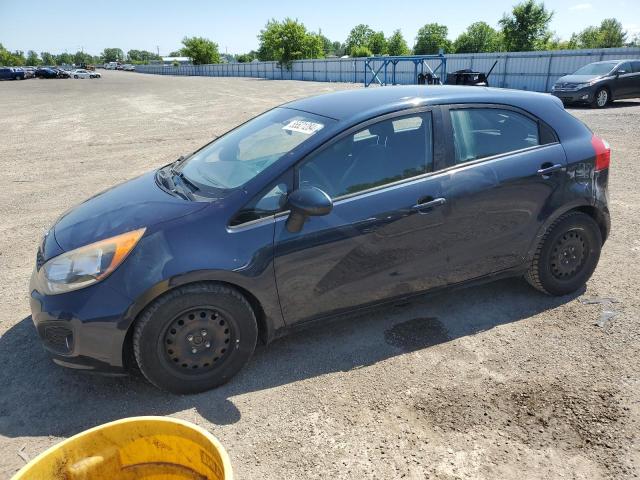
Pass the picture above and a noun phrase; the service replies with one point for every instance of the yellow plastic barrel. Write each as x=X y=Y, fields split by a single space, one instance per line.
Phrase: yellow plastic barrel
x=150 y=448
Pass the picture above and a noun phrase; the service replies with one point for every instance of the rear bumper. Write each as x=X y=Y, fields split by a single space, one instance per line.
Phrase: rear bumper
x=84 y=329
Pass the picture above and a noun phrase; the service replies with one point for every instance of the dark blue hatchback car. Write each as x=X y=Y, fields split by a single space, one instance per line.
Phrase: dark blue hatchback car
x=315 y=208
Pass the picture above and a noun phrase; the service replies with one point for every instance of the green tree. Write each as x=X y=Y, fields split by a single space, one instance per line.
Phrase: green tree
x=527 y=27
x=313 y=46
x=200 y=50
x=431 y=38
x=612 y=35
x=32 y=58
x=5 y=56
x=47 y=58
x=141 y=56
x=81 y=58
x=327 y=46
x=359 y=36
x=361 y=51
x=175 y=53
x=377 y=43
x=287 y=41
x=339 y=49
x=64 y=59
x=396 y=44
x=479 y=37
x=112 y=54
x=609 y=34
x=245 y=57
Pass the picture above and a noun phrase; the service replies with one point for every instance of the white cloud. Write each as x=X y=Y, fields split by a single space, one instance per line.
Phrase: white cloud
x=581 y=6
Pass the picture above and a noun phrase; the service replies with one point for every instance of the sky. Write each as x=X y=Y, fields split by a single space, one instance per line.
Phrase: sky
x=159 y=25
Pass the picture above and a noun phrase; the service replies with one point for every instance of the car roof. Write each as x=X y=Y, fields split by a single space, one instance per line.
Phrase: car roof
x=358 y=104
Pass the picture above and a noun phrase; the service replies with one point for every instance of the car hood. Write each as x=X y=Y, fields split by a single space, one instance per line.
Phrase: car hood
x=131 y=205
x=577 y=78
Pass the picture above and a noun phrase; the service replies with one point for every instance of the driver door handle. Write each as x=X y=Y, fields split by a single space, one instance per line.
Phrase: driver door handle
x=430 y=203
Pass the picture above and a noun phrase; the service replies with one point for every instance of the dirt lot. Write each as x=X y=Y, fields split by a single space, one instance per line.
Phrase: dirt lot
x=493 y=382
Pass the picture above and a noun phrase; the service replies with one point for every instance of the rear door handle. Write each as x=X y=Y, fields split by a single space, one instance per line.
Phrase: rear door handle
x=553 y=168
x=436 y=202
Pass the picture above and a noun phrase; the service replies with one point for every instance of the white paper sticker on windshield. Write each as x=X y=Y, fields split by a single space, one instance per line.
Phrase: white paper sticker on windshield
x=302 y=126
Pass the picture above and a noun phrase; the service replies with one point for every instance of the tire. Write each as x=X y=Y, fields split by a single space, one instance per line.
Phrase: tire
x=75 y=76
x=195 y=338
x=602 y=98
x=567 y=255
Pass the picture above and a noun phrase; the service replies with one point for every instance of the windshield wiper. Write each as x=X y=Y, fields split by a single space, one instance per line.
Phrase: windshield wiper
x=167 y=180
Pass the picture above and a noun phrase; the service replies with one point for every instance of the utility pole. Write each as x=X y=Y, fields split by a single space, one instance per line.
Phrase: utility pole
x=158 y=49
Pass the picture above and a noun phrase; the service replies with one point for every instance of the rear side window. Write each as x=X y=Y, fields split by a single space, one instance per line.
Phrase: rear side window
x=383 y=153
x=484 y=132
x=635 y=67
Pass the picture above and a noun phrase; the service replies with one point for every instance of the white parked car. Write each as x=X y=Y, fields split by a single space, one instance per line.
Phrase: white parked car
x=82 y=73
x=128 y=67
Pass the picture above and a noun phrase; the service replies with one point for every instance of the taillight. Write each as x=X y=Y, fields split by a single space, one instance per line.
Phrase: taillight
x=603 y=153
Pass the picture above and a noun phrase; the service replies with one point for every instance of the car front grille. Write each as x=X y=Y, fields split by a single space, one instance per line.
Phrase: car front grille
x=566 y=86
x=58 y=338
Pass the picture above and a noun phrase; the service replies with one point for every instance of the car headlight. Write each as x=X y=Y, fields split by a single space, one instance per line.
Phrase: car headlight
x=585 y=84
x=86 y=265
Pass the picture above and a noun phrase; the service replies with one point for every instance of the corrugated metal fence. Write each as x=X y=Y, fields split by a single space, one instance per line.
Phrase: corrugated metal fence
x=535 y=71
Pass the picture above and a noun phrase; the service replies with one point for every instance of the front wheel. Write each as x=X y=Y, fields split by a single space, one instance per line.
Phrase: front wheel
x=75 y=76
x=567 y=255
x=602 y=98
x=195 y=338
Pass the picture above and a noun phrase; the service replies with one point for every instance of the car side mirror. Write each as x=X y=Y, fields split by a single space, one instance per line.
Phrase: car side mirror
x=306 y=202
x=620 y=72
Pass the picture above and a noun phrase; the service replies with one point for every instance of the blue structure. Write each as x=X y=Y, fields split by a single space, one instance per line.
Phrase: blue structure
x=419 y=66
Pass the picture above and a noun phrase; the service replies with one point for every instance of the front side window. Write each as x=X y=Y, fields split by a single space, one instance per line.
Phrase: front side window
x=240 y=155
x=382 y=153
x=484 y=132
x=625 y=68
x=267 y=203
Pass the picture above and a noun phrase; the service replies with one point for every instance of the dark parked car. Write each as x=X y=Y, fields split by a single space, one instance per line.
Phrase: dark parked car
x=315 y=208
x=600 y=83
x=9 y=73
x=46 y=73
x=62 y=73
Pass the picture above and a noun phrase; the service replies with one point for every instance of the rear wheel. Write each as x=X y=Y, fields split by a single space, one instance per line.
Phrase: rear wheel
x=567 y=255
x=75 y=76
x=195 y=338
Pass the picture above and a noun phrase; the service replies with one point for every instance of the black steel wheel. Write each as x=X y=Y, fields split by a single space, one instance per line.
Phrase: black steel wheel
x=195 y=337
x=567 y=255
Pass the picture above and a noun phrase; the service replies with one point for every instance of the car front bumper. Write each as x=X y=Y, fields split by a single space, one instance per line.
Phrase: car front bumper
x=584 y=95
x=84 y=329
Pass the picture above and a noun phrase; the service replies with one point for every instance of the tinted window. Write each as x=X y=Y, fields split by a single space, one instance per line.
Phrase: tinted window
x=382 y=153
x=484 y=132
x=635 y=66
x=626 y=66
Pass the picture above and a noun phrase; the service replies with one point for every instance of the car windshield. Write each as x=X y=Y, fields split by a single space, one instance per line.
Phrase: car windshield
x=240 y=155
x=596 y=68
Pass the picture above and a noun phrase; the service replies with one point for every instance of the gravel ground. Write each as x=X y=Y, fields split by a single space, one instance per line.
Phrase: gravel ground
x=492 y=382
